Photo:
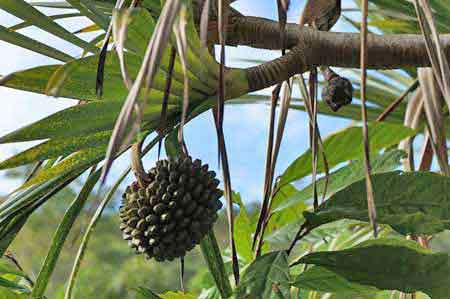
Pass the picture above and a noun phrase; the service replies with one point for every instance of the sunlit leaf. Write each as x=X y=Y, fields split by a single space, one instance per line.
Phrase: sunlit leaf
x=410 y=202
x=346 y=145
x=264 y=277
x=389 y=264
x=61 y=235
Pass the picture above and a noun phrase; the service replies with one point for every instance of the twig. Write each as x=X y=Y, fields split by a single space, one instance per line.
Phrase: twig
x=398 y=101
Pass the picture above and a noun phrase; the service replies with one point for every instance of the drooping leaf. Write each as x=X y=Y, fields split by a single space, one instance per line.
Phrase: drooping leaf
x=87 y=235
x=346 y=145
x=23 y=41
x=15 y=211
x=389 y=264
x=26 y=24
x=268 y=274
x=323 y=280
x=91 y=228
x=56 y=148
x=75 y=121
x=410 y=202
x=27 y=12
x=211 y=253
x=80 y=160
x=89 y=10
x=345 y=176
x=61 y=235
x=13 y=286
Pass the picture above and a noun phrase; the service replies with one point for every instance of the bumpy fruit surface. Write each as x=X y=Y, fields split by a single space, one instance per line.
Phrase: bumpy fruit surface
x=173 y=212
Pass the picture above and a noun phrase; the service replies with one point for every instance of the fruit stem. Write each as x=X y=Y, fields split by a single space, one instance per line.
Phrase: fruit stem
x=137 y=166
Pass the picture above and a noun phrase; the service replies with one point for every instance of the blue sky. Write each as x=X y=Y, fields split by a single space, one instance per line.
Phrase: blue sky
x=245 y=125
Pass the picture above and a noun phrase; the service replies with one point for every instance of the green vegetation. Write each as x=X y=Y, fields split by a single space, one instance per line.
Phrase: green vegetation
x=373 y=223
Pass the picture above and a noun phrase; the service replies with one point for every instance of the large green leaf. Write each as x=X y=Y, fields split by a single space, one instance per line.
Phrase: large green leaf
x=346 y=145
x=80 y=160
x=389 y=264
x=243 y=230
x=264 y=277
x=323 y=280
x=77 y=121
x=61 y=235
x=214 y=261
x=23 y=41
x=27 y=12
x=410 y=202
x=89 y=9
x=77 y=79
x=12 y=285
x=16 y=209
x=400 y=16
x=87 y=236
x=56 y=148
x=345 y=176
x=26 y=24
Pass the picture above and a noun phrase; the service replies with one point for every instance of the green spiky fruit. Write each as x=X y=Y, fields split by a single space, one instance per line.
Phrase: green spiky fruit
x=173 y=212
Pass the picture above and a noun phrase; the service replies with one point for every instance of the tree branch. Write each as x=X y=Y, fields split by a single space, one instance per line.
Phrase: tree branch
x=318 y=48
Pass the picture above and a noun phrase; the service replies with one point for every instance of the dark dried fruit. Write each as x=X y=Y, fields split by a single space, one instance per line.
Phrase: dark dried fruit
x=173 y=212
x=337 y=92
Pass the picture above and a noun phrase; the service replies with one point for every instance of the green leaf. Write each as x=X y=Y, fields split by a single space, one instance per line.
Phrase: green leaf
x=389 y=264
x=176 y=295
x=77 y=120
x=13 y=286
x=320 y=279
x=80 y=160
x=211 y=253
x=211 y=293
x=266 y=274
x=243 y=230
x=144 y=293
x=353 y=111
x=76 y=80
x=345 y=176
x=23 y=41
x=346 y=145
x=87 y=236
x=88 y=9
x=57 y=147
x=410 y=202
x=6 y=293
x=15 y=211
x=61 y=235
x=7 y=268
x=171 y=144
x=27 y=12
x=53 y=17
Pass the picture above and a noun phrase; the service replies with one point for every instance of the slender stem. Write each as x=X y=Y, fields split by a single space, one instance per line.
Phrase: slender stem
x=364 y=58
x=137 y=166
x=398 y=101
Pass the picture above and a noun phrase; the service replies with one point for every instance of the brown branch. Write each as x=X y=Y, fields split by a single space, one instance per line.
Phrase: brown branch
x=342 y=50
x=318 y=48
